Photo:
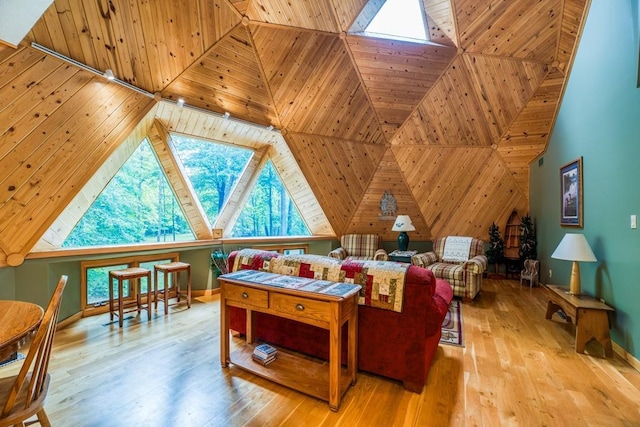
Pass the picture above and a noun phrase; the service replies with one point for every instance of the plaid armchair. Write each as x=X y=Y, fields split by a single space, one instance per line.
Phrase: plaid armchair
x=360 y=247
x=465 y=277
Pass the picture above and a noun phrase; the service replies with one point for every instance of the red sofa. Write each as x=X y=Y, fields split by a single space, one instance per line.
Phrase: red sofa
x=400 y=346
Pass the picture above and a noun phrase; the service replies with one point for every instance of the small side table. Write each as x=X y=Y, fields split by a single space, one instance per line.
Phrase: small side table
x=131 y=273
x=173 y=268
x=402 y=256
x=512 y=266
x=590 y=316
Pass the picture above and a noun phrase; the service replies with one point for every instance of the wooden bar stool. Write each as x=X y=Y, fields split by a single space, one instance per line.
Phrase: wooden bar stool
x=131 y=273
x=176 y=268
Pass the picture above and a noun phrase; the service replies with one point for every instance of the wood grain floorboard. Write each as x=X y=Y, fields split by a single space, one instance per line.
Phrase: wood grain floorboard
x=516 y=369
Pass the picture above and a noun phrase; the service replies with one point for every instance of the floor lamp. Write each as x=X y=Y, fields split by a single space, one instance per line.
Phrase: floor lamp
x=574 y=247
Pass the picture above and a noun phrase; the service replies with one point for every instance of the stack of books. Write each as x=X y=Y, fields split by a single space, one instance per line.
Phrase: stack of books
x=264 y=353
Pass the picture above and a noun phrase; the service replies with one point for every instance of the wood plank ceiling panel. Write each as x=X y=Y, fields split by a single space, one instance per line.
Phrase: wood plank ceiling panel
x=518 y=28
x=126 y=37
x=338 y=171
x=450 y=114
x=503 y=86
x=573 y=16
x=528 y=135
x=64 y=145
x=460 y=190
x=440 y=23
x=397 y=75
x=366 y=219
x=315 y=85
x=311 y=14
x=227 y=78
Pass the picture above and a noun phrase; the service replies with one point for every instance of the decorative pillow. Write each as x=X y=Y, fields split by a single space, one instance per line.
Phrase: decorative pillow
x=456 y=249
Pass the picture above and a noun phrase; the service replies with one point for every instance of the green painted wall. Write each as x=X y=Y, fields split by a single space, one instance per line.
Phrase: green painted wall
x=599 y=119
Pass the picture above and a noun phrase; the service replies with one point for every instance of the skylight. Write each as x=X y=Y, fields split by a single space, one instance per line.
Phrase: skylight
x=399 y=19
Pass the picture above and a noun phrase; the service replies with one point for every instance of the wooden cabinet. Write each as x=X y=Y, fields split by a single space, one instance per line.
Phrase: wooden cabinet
x=318 y=308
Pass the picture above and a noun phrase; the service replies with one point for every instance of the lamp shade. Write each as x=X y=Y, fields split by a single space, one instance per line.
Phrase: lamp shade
x=574 y=247
x=403 y=223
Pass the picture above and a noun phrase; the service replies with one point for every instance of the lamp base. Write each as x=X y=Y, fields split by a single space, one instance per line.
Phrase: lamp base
x=403 y=241
x=574 y=282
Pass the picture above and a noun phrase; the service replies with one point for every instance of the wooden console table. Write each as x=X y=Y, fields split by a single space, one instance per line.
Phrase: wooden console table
x=320 y=303
x=590 y=316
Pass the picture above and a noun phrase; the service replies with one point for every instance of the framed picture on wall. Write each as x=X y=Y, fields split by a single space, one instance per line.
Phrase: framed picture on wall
x=571 y=194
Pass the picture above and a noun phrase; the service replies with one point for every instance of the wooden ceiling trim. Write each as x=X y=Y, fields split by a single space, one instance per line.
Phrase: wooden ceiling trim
x=387 y=177
x=64 y=224
x=397 y=75
x=177 y=177
x=312 y=14
x=240 y=5
x=338 y=171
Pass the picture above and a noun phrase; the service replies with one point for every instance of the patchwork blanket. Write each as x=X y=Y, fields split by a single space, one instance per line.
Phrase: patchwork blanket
x=382 y=281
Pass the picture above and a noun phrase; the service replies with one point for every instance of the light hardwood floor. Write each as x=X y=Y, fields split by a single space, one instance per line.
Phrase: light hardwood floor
x=517 y=369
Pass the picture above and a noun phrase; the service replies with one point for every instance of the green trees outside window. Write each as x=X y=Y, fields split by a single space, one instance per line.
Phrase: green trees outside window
x=137 y=206
x=269 y=210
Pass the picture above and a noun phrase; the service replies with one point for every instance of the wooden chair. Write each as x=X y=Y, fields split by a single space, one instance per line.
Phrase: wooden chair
x=530 y=272
x=22 y=396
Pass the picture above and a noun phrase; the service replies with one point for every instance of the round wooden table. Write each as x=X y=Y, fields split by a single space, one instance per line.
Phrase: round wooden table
x=18 y=320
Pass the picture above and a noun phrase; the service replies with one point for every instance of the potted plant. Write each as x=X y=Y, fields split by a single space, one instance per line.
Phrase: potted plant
x=527 y=240
x=495 y=252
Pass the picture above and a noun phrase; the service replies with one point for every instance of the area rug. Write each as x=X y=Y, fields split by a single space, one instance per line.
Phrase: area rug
x=452 y=326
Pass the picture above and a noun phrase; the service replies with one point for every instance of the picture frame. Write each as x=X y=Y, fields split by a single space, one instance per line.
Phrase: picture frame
x=571 y=197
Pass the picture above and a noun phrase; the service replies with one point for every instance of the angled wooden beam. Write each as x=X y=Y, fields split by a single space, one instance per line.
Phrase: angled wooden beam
x=232 y=208
x=176 y=176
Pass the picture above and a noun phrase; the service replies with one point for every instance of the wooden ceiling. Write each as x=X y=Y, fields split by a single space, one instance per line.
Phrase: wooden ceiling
x=450 y=127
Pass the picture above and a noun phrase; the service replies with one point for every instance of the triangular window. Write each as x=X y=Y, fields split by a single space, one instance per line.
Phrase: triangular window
x=269 y=210
x=396 y=19
x=137 y=206
x=212 y=168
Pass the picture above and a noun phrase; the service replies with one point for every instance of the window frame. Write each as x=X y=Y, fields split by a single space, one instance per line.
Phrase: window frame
x=130 y=261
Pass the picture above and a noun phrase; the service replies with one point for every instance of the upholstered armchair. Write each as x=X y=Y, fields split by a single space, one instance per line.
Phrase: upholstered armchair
x=360 y=247
x=461 y=262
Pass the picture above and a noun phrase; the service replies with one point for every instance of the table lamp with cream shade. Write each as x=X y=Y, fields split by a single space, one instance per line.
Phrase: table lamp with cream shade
x=574 y=247
x=403 y=224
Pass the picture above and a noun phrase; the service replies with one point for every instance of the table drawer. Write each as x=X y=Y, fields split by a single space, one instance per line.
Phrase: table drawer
x=300 y=307
x=246 y=295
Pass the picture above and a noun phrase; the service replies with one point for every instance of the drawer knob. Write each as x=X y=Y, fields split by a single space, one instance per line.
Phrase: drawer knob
x=299 y=307
x=245 y=295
